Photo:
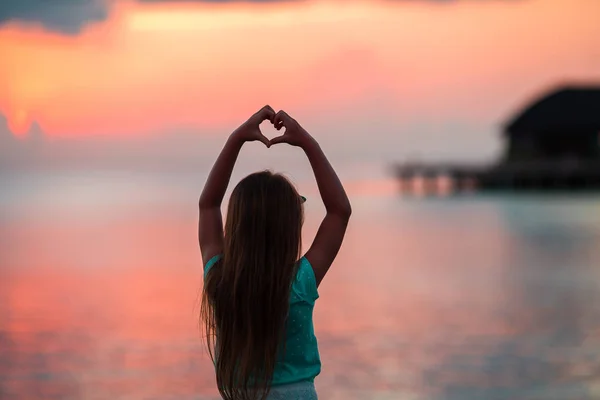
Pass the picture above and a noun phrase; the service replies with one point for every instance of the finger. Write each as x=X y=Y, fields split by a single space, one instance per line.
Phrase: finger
x=277 y=118
x=286 y=119
x=279 y=125
x=264 y=139
x=280 y=118
x=270 y=113
x=278 y=139
x=267 y=112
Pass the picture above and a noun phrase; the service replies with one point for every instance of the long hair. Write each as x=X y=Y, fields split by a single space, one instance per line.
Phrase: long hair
x=245 y=299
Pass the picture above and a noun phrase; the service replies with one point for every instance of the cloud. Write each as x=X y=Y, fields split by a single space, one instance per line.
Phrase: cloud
x=64 y=16
x=71 y=16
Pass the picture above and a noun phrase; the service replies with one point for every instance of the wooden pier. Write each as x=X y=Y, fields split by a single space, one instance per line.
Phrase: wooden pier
x=553 y=145
x=541 y=176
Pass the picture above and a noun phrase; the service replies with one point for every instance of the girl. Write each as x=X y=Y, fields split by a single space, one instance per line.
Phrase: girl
x=259 y=294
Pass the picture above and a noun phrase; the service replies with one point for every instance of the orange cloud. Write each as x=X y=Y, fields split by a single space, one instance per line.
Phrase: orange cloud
x=155 y=67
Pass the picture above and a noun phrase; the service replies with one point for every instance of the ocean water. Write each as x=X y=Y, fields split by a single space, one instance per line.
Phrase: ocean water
x=478 y=297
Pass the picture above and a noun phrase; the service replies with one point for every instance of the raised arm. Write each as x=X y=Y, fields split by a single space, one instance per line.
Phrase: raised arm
x=331 y=232
x=210 y=225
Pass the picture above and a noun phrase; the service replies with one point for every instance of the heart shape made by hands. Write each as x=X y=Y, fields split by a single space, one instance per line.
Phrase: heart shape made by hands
x=268 y=129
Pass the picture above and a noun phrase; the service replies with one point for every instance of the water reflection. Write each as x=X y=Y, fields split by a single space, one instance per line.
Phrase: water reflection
x=473 y=299
x=482 y=309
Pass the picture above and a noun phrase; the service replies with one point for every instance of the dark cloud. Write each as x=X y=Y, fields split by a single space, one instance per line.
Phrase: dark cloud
x=71 y=16
x=65 y=16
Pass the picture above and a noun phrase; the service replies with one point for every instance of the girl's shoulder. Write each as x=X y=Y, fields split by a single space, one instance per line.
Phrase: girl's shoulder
x=305 y=282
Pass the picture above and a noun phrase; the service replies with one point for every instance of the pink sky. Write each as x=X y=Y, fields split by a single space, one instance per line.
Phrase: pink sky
x=151 y=68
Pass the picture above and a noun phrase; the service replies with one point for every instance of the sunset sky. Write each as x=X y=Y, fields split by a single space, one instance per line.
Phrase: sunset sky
x=405 y=73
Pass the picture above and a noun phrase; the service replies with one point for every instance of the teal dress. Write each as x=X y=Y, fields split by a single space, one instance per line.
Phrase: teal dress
x=301 y=362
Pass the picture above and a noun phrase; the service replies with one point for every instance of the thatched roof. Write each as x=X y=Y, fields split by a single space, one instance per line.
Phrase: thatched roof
x=571 y=110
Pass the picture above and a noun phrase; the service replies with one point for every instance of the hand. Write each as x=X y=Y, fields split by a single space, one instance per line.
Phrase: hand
x=294 y=134
x=249 y=131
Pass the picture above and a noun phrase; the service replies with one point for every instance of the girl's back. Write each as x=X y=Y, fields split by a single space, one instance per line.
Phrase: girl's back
x=258 y=299
x=298 y=358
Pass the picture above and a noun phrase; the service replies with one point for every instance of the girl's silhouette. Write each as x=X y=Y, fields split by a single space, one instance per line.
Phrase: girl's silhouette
x=259 y=291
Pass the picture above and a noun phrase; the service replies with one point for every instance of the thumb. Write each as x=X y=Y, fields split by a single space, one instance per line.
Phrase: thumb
x=264 y=140
x=278 y=139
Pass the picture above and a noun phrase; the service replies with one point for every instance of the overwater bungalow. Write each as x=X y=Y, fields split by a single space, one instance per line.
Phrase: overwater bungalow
x=552 y=145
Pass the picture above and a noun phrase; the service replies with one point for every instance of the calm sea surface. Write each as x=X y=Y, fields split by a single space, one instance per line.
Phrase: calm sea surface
x=471 y=298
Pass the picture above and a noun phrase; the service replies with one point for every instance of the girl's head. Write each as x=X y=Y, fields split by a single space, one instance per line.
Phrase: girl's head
x=245 y=300
x=265 y=211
